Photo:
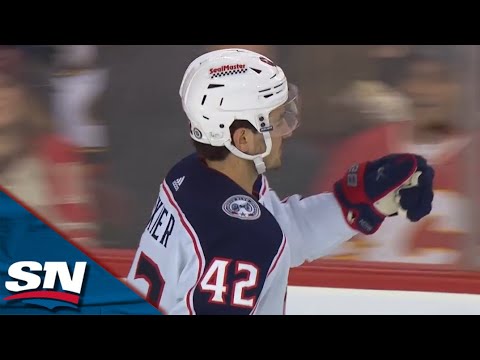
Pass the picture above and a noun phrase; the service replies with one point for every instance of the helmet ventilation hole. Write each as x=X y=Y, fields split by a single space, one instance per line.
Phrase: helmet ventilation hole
x=213 y=86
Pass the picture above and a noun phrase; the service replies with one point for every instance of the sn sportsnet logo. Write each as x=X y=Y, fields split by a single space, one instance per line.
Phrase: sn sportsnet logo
x=27 y=283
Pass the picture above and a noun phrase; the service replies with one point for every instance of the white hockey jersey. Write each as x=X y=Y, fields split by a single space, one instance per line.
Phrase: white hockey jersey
x=209 y=247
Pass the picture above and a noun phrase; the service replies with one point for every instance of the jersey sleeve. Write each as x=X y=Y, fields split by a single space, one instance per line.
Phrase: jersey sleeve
x=314 y=226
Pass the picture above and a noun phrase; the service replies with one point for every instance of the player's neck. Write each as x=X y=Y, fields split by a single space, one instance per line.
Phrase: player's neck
x=242 y=172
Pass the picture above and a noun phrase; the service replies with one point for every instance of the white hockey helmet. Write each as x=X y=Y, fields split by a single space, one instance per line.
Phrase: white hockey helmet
x=222 y=86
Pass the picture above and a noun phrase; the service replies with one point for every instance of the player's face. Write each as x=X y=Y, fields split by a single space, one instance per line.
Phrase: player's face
x=281 y=131
x=274 y=159
x=284 y=120
x=433 y=93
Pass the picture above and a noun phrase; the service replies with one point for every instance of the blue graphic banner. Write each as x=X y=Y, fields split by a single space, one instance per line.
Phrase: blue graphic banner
x=43 y=273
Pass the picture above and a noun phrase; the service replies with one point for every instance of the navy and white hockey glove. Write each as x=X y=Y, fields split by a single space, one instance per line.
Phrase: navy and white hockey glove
x=394 y=184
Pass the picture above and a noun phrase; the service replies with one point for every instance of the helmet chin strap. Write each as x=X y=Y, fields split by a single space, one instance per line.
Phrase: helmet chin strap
x=257 y=159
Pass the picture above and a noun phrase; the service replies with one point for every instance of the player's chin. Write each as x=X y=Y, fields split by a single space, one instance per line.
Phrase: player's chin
x=274 y=164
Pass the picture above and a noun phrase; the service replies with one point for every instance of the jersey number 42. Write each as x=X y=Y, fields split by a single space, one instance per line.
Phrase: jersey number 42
x=215 y=282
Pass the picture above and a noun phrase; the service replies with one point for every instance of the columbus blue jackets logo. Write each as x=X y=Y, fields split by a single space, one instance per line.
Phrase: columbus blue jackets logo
x=241 y=207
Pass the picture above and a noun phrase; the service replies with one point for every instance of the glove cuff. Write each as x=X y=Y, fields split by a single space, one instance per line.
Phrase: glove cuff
x=361 y=216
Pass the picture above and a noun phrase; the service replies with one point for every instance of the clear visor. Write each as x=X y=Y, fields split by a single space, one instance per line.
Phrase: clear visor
x=285 y=118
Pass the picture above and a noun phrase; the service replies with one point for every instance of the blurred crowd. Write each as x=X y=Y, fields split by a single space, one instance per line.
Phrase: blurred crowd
x=87 y=133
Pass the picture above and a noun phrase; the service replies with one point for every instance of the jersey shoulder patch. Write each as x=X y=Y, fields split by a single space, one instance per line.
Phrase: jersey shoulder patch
x=242 y=207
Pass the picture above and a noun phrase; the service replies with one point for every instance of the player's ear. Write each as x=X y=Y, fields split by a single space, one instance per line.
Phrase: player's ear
x=242 y=139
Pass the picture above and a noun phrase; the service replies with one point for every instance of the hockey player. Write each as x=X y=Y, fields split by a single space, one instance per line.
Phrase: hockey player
x=219 y=240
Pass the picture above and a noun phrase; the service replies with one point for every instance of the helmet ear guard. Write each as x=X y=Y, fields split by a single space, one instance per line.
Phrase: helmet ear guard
x=226 y=85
